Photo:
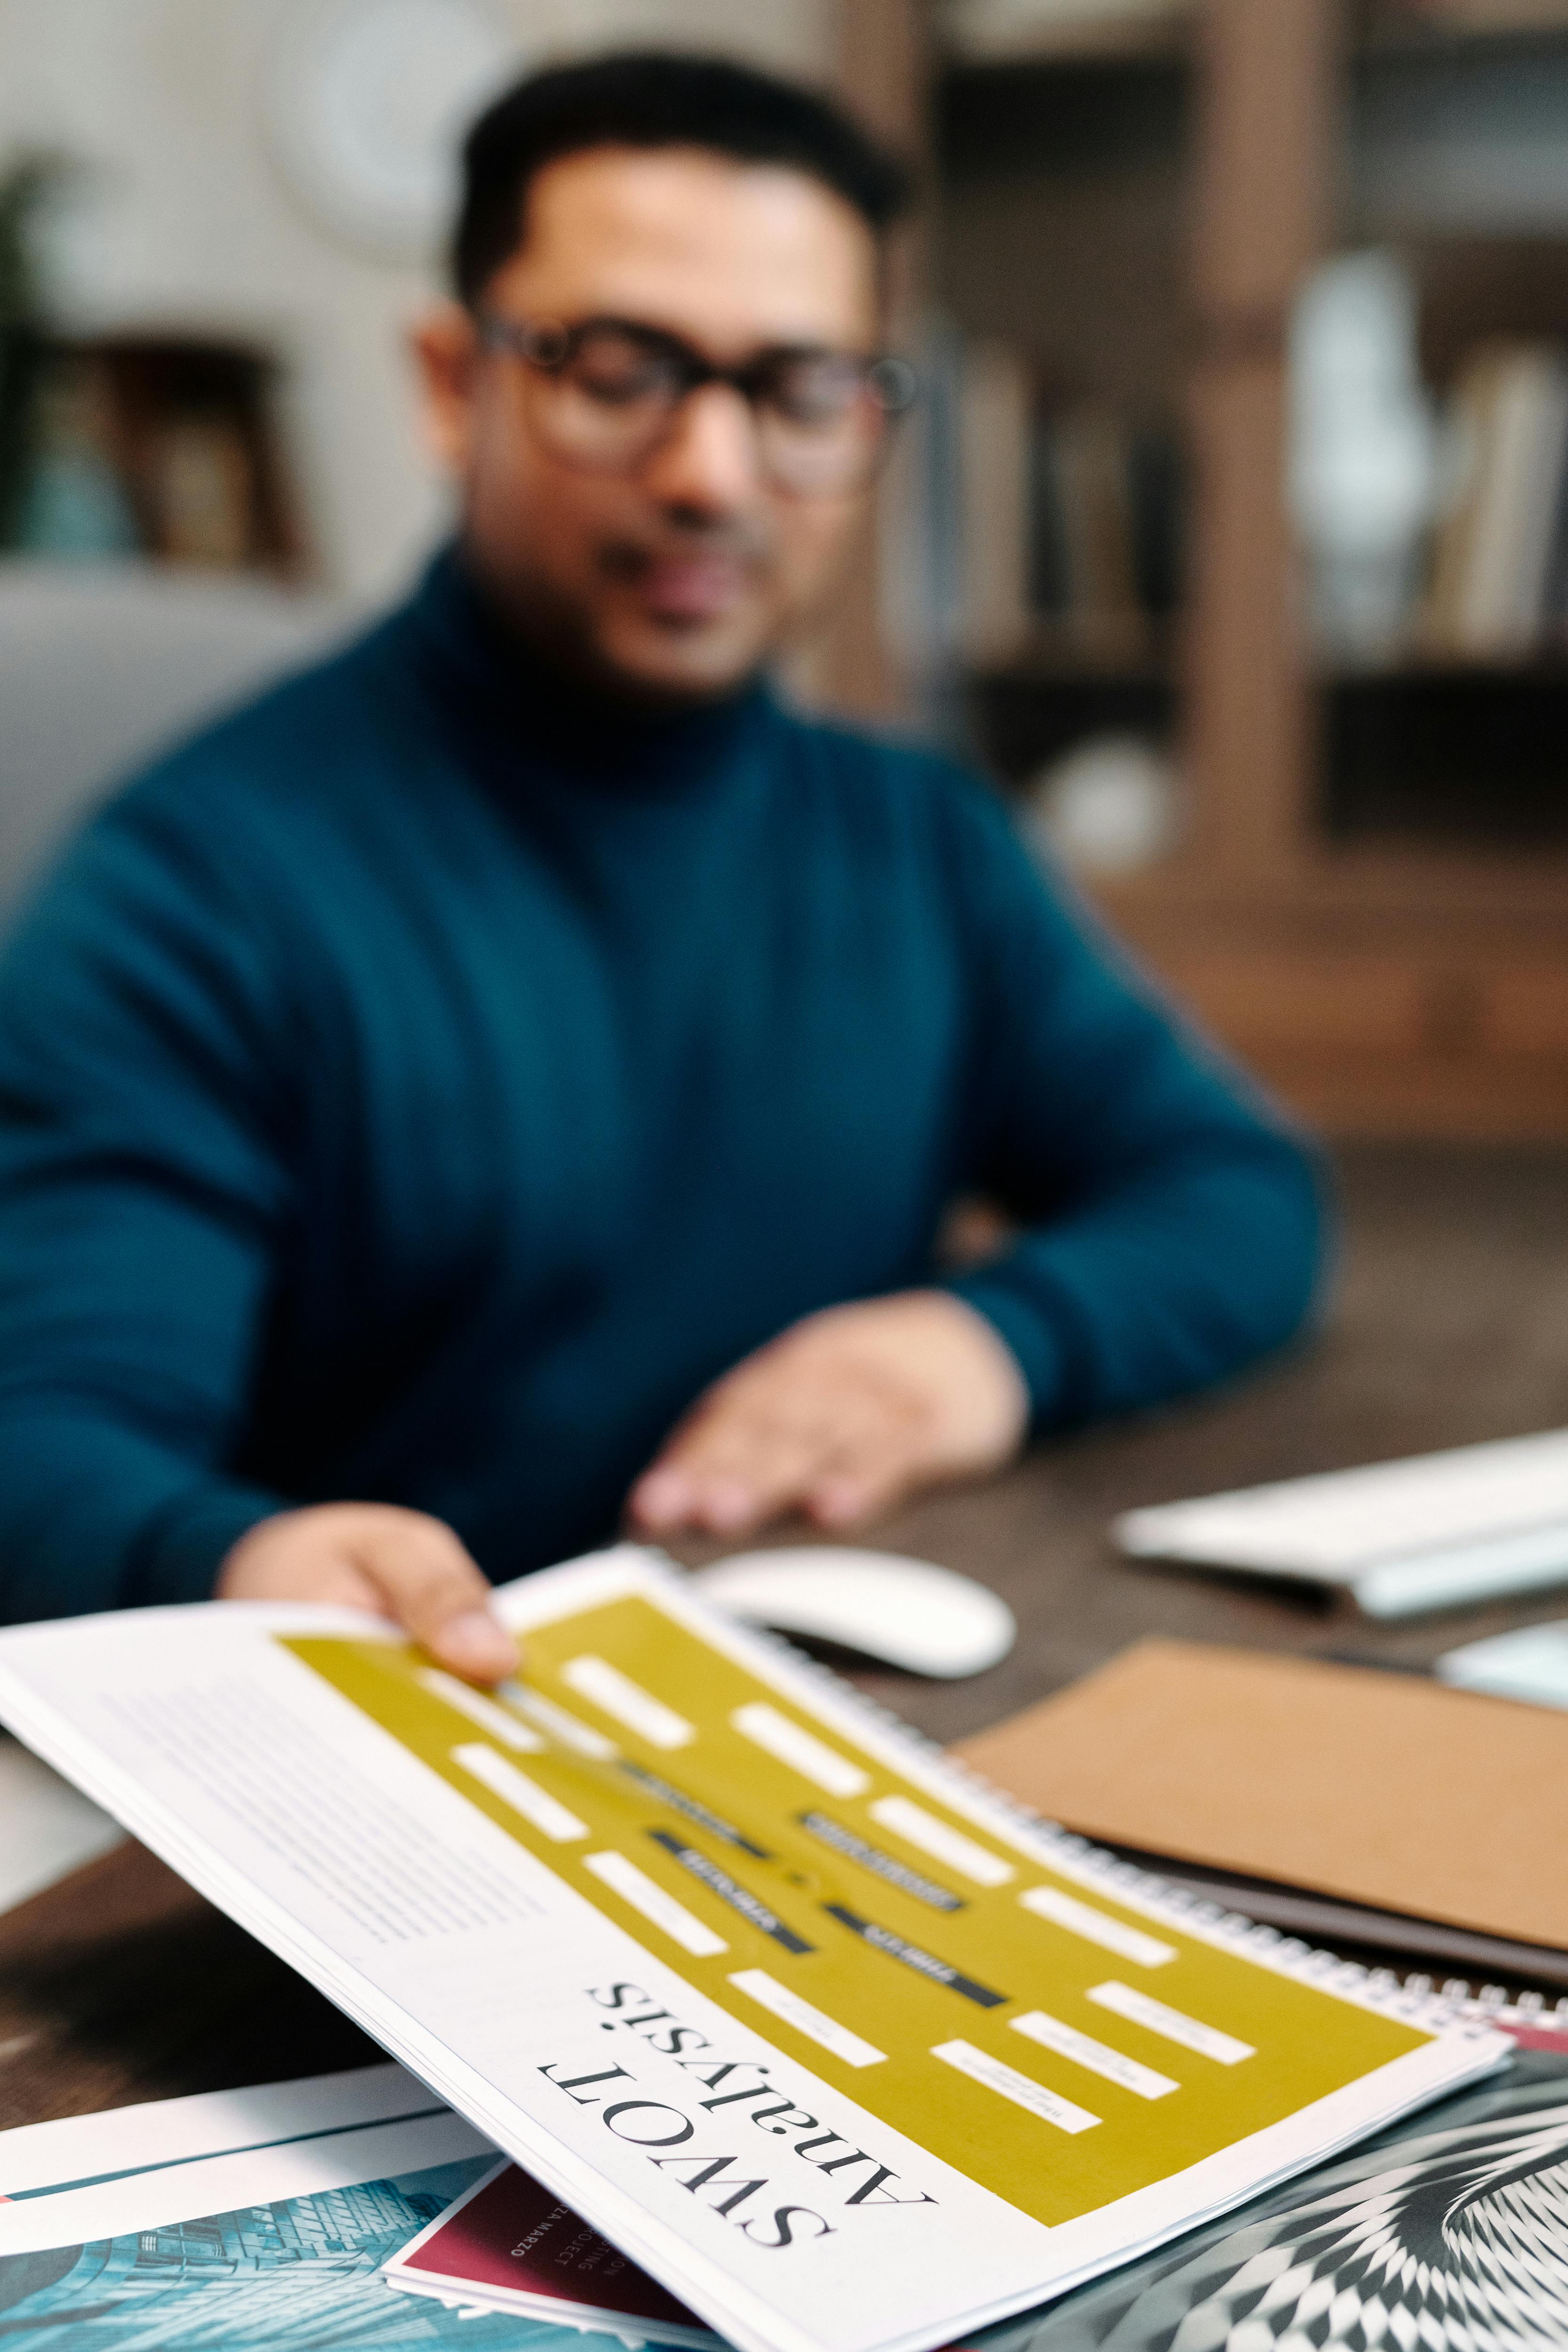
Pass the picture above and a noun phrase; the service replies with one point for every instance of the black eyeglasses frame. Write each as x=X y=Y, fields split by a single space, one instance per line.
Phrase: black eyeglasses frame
x=550 y=345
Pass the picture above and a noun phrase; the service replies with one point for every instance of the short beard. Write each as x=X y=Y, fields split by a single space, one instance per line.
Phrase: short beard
x=556 y=630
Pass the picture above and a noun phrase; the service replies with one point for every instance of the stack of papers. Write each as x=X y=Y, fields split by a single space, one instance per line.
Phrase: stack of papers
x=846 y=2052
x=253 y=2217
x=277 y=2215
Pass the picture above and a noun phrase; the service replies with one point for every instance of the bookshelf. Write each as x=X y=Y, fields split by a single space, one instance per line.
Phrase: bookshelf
x=161 y=445
x=189 y=429
x=1369 y=900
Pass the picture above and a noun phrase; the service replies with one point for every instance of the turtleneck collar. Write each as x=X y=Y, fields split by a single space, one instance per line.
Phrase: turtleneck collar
x=552 y=721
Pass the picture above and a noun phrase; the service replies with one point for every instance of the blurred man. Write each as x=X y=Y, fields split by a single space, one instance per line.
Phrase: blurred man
x=513 y=1075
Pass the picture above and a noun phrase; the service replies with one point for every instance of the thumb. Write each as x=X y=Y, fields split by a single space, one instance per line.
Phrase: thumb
x=433 y=1587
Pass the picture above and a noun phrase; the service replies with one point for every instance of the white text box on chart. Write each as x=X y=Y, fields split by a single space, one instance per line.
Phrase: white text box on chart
x=548 y=1814
x=1008 y=2084
x=937 y=1838
x=791 y=1744
x=499 y=1721
x=646 y=1896
x=1096 y=1926
x=560 y=1724
x=814 y=2022
x=617 y=1695
x=1097 y=2056
x=1173 y=2024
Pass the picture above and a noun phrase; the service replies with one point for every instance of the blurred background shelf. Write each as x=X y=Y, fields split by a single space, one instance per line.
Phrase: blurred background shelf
x=161 y=445
x=1351 y=858
x=1005 y=31
x=1396 y=24
x=1367 y=891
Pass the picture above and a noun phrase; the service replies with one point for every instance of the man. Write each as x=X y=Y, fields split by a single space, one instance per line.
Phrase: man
x=514 y=1072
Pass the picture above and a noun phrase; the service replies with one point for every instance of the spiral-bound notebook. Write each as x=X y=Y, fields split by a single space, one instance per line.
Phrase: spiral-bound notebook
x=845 y=2050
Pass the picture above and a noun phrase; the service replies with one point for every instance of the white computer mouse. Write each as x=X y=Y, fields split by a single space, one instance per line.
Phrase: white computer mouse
x=908 y=1613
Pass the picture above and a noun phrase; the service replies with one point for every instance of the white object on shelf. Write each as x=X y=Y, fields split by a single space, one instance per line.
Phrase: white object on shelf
x=51 y=1829
x=1435 y=1532
x=1110 y=805
x=1364 y=447
x=1530 y=1665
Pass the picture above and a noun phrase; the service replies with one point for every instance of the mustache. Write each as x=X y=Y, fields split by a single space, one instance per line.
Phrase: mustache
x=729 y=538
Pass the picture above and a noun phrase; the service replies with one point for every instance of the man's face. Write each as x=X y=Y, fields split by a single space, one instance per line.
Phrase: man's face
x=673 y=578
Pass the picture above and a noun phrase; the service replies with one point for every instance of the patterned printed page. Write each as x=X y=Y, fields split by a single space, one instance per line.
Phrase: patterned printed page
x=253 y=2217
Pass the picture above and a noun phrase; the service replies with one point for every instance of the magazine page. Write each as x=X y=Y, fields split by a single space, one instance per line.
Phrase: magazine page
x=246 y=2216
x=150 y=2135
x=843 y=2051
x=506 y=2244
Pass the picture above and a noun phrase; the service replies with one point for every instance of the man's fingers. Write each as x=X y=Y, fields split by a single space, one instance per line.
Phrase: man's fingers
x=378 y=1556
x=662 y=1500
x=752 y=1454
x=850 y=1410
x=725 y=1492
x=731 y=1461
x=845 y=1495
x=431 y=1586
x=873 y=1467
x=475 y=1644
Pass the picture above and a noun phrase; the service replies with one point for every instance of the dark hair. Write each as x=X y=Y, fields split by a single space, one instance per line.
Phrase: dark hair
x=655 y=98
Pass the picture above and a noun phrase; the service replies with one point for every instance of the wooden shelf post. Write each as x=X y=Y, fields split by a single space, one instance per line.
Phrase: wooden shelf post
x=1265 y=138
x=884 y=73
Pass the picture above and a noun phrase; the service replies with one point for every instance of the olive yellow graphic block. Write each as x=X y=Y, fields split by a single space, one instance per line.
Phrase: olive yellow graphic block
x=1061 y=2046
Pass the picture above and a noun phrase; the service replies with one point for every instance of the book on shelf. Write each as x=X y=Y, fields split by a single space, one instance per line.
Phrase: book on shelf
x=1083 y=500
x=990 y=31
x=1499 y=559
x=1069 y=515
x=847 y=2052
x=994 y=404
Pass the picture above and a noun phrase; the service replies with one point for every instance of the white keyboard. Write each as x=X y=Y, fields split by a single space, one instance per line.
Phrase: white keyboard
x=1530 y=1664
x=1435 y=1531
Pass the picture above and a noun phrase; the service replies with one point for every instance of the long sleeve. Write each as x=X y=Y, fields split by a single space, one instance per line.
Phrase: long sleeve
x=1173 y=1224
x=417 y=1090
x=142 y=1194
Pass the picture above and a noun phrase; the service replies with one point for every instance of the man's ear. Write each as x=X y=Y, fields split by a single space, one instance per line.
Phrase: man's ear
x=445 y=348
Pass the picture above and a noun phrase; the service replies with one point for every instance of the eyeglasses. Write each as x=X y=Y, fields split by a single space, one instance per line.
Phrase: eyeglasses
x=608 y=392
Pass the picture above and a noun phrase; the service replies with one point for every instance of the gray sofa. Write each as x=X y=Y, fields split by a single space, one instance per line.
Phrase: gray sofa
x=101 y=664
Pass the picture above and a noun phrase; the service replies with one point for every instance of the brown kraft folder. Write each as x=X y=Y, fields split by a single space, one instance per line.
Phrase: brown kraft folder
x=1378 y=1788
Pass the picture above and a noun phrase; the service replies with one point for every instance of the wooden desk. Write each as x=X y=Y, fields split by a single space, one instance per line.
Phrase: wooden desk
x=1451 y=1324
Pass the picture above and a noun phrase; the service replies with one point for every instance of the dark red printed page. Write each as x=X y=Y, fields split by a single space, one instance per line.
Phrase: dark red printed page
x=512 y=2233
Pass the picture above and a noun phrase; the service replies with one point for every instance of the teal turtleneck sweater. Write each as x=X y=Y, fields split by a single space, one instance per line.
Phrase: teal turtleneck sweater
x=419 y=1086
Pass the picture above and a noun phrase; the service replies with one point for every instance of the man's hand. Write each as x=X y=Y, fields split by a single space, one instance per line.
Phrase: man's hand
x=839 y=1417
x=374 y=1556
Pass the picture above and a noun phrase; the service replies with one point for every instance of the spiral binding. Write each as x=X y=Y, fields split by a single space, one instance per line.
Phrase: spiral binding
x=1413 y=1998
